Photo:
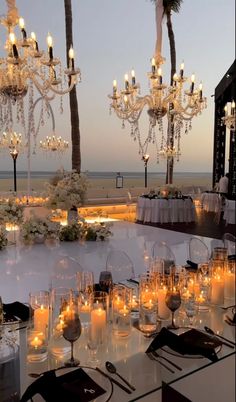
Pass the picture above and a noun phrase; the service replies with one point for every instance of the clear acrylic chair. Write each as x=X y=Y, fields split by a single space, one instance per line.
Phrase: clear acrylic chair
x=229 y=241
x=64 y=273
x=160 y=251
x=198 y=251
x=120 y=266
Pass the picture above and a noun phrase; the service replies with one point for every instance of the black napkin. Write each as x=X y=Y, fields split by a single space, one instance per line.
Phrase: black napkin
x=232 y=257
x=192 y=266
x=192 y=342
x=16 y=311
x=75 y=386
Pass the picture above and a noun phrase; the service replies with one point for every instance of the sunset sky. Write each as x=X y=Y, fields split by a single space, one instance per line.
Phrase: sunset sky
x=110 y=38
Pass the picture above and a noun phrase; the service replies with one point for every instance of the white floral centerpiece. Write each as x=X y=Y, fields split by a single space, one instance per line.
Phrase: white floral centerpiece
x=39 y=229
x=98 y=231
x=69 y=192
x=169 y=190
x=11 y=213
x=3 y=237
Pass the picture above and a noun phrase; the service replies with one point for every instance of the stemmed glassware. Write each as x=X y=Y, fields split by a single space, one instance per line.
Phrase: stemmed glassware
x=173 y=298
x=72 y=330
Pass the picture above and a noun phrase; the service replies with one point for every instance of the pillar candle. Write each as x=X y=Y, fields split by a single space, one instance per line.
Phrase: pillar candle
x=41 y=317
x=229 y=285
x=217 y=291
x=98 y=324
x=163 y=310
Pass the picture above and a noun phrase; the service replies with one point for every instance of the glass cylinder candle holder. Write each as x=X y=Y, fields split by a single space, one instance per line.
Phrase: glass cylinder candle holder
x=85 y=301
x=37 y=337
x=217 y=282
x=99 y=316
x=60 y=302
x=147 y=303
x=229 y=290
x=220 y=253
x=121 y=311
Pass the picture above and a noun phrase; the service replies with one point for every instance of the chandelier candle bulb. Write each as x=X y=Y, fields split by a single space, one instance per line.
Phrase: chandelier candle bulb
x=192 y=84
x=233 y=108
x=175 y=79
x=49 y=43
x=126 y=82
x=182 y=70
x=114 y=87
x=22 y=27
x=159 y=73
x=133 y=77
x=200 y=90
x=153 y=66
x=72 y=57
x=33 y=37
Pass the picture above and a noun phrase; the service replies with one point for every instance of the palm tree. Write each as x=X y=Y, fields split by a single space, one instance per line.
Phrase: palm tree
x=74 y=113
x=169 y=7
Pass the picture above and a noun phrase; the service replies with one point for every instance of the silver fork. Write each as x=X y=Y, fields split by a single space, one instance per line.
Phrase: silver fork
x=167 y=360
x=152 y=357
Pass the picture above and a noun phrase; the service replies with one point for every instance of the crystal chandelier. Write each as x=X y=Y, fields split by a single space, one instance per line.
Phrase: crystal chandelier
x=177 y=104
x=230 y=117
x=30 y=77
x=12 y=141
x=54 y=144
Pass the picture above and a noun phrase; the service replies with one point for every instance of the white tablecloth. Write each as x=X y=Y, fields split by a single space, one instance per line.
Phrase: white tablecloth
x=229 y=212
x=211 y=202
x=164 y=211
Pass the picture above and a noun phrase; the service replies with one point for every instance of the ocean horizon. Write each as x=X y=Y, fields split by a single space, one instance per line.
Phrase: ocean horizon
x=102 y=174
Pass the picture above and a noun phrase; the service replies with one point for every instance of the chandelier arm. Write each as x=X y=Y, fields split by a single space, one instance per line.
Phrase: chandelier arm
x=69 y=88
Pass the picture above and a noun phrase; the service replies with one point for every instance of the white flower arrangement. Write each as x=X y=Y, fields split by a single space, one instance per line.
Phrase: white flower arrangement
x=68 y=193
x=3 y=238
x=169 y=190
x=11 y=212
x=39 y=227
x=98 y=231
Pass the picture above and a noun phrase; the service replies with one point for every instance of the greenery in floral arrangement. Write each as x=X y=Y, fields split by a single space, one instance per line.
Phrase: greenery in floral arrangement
x=11 y=212
x=35 y=226
x=71 y=232
x=98 y=231
x=69 y=192
x=3 y=238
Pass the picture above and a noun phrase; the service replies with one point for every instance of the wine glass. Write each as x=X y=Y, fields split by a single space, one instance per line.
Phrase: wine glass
x=173 y=298
x=92 y=343
x=72 y=330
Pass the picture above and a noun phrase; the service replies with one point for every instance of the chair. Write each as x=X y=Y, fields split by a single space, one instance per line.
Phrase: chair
x=64 y=273
x=229 y=241
x=198 y=251
x=160 y=251
x=120 y=266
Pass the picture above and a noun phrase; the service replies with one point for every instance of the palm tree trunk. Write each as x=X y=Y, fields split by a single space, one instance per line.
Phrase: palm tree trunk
x=74 y=113
x=170 y=135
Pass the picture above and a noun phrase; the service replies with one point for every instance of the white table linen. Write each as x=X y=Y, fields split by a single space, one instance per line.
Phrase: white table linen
x=165 y=211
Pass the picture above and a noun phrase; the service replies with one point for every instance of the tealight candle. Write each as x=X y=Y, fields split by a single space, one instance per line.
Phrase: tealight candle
x=85 y=308
x=36 y=342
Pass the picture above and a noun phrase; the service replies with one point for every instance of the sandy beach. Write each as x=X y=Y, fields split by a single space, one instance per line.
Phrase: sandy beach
x=38 y=184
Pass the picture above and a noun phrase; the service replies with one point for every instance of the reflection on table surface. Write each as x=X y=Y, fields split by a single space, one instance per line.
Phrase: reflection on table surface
x=131 y=361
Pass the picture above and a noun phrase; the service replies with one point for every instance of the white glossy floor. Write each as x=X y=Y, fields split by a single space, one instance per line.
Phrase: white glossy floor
x=25 y=269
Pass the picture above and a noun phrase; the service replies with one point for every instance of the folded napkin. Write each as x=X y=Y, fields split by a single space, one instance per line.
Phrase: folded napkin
x=192 y=342
x=16 y=311
x=75 y=386
x=192 y=266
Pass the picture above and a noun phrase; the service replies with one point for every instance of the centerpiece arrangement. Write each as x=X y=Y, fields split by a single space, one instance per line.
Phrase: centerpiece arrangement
x=169 y=190
x=37 y=230
x=68 y=193
x=11 y=213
